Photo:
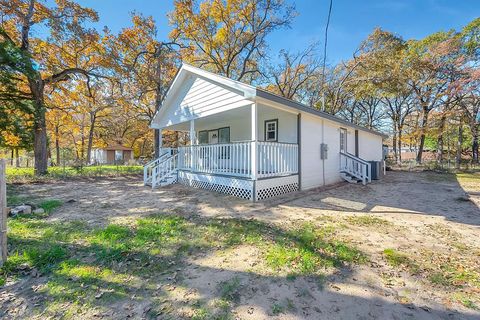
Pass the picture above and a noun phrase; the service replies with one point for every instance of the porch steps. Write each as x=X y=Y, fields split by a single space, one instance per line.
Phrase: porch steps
x=162 y=171
x=168 y=179
x=354 y=169
x=349 y=178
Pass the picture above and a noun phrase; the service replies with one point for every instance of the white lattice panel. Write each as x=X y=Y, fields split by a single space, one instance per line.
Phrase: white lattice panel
x=228 y=185
x=273 y=187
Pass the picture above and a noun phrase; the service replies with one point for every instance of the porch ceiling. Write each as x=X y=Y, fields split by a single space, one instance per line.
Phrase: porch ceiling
x=214 y=119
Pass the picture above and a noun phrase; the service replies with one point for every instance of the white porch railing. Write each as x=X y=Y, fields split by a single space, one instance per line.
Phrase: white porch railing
x=149 y=168
x=356 y=167
x=235 y=159
x=164 y=169
x=275 y=158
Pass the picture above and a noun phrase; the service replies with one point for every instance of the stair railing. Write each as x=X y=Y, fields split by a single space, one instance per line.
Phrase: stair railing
x=356 y=167
x=165 y=168
x=149 y=167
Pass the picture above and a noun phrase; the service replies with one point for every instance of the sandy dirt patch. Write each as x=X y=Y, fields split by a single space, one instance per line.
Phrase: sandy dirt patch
x=427 y=217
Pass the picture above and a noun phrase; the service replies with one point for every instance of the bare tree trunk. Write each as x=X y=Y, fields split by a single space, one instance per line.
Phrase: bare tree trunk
x=39 y=127
x=57 y=144
x=17 y=159
x=422 y=135
x=394 y=142
x=400 y=128
x=459 y=145
x=12 y=155
x=93 y=118
x=475 y=133
x=156 y=144
x=440 y=138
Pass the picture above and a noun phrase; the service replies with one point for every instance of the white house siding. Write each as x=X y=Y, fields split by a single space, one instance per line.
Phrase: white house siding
x=199 y=97
x=370 y=148
x=287 y=123
x=240 y=124
x=239 y=127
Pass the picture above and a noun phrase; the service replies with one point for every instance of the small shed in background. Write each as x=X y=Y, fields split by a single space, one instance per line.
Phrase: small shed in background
x=115 y=154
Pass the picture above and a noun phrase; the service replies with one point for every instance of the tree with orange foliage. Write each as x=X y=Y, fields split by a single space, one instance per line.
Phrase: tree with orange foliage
x=228 y=37
x=71 y=49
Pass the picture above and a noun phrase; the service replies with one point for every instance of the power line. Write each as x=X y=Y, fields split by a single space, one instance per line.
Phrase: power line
x=325 y=52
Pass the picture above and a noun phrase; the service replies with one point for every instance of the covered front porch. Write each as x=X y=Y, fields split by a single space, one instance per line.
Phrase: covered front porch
x=253 y=142
x=235 y=152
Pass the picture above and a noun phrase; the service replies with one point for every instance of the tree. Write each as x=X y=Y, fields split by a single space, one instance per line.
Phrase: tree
x=15 y=104
x=427 y=77
x=69 y=50
x=292 y=77
x=143 y=66
x=469 y=85
x=228 y=37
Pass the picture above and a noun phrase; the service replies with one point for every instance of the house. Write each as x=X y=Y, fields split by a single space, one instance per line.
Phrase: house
x=114 y=154
x=253 y=144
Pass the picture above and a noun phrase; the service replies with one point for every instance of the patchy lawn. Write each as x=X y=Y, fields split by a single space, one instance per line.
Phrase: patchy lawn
x=402 y=247
x=26 y=175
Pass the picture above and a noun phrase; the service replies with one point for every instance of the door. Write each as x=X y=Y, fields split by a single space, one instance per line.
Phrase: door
x=213 y=136
x=343 y=140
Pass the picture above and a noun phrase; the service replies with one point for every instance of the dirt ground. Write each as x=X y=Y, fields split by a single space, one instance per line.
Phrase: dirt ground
x=428 y=217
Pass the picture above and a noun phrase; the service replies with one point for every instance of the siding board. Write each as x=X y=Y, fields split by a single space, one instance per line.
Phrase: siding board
x=199 y=97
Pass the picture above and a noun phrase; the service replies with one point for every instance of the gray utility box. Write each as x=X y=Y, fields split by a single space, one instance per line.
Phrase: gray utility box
x=376 y=169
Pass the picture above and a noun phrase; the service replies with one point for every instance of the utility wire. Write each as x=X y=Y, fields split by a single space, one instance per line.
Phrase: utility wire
x=325 y=53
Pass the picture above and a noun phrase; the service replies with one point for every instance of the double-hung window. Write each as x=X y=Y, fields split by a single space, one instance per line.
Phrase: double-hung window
x=271 y=130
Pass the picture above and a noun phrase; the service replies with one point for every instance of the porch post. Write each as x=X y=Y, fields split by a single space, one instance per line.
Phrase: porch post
x=253 y=152
x=160 y=142
x=193 y=137
x=193 y=140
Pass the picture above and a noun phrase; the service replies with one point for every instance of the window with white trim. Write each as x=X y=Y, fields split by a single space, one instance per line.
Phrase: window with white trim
x=271 y=130
x=343 y=140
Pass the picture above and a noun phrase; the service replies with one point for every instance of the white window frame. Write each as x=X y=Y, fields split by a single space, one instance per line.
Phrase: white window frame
x=267 y=131
x=343 y=140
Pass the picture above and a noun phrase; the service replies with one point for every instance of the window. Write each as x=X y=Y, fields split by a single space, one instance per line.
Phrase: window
x=271 y=130
x=343 y=140
x=221 y=135
x=224 y=135
x=203 y=137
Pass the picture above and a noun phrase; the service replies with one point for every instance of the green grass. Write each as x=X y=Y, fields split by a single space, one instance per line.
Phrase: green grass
x=24 y=175
x=473 y=176
x=309 y=249
x=447 y=272
x=368 y=221
x=399 y=259
x=50 y=205
x=287 y=305
x=89 y=266
x=230 y=290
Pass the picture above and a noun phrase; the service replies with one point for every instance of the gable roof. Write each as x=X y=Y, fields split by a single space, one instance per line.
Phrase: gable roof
x=250 y=92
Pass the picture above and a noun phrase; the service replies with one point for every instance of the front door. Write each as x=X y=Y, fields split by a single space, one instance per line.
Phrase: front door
x=213 y=136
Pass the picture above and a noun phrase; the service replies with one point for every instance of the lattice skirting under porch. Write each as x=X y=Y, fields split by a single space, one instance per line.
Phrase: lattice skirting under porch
x=241 y=188
x=267 y=188
x=236 y=187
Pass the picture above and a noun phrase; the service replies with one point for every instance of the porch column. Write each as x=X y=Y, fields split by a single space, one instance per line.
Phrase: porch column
x=160 y=142
x=253 y=152
x=193 y=137
x=193 y=141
